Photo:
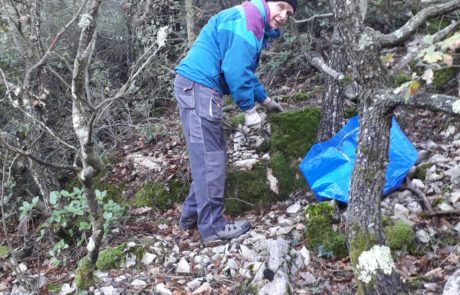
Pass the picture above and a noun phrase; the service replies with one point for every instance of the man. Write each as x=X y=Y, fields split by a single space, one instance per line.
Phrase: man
x=223 y=60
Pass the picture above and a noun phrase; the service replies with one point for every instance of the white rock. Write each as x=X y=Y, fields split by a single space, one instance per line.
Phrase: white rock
x=183 y=266
x=248 y=254
x=67 y=289
x=445 y=207
x=219 y=249
x=457 y=227
x=422 y=236
x=162 y=226
x=110 y=290
x=20 y=290
x=148 y=258
x=138 y=283
x=162 y=290
x=418 y=183
x=130 y=260
x=430 y=286
x=305 y=255
x=402 y=213
x=201 y=259
x=452 y=286
x=308 y=278
x=273 y=181
x=414 y=207
x=245 y=164
x=120 y=279
x=454 y=197
x=195 y=283
x=204 y=289
x=100 y=275
x=294 y=208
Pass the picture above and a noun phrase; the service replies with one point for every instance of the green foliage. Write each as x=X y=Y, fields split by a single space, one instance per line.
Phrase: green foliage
x=435 y=24
x=70 y=220
x=243 y=188
x=26 y=208
x=320 y=235
x=54 y=288
x=236 y=120
x=4 y=251
x=400 y=236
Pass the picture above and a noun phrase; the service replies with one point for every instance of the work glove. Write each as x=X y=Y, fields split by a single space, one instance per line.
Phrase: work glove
x=252 y=119
x=271 y=105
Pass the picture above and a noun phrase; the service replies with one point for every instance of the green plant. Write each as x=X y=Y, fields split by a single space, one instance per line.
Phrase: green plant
x=27 y=207
x=70 y=220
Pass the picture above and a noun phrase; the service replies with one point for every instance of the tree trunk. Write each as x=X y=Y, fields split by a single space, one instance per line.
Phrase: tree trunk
x=363 y=216
x=332 y=102
x=190 y=22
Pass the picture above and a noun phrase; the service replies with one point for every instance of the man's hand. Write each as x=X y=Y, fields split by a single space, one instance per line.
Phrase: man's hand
x=252 y=119
x=271 y=105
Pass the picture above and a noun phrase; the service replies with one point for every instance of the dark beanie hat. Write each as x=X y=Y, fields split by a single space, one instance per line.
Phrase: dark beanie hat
x=293 y=3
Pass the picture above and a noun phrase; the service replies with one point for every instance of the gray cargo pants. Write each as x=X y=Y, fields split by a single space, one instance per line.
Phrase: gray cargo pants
x=200 y=110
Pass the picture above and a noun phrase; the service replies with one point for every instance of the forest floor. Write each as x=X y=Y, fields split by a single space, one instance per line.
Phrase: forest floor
x=178 y=263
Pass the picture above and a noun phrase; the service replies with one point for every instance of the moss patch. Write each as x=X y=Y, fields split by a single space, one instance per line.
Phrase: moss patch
x=435 y=24
x=159 y=195
x=400 y=79
x=320 y=235
x=111 y=258
x=84 y=277
x=400 y=236
x=294 y=132
x=247 y=190
x=442 y=76
x=4 y=252
x=54 y=288
x=420 y=171
x=298 y=97
x=236 y=120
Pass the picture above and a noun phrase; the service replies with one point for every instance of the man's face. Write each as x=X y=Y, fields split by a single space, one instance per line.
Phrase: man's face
x=280 y=12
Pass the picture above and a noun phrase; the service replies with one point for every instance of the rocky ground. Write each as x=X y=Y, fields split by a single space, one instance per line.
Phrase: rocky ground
x=272 y=257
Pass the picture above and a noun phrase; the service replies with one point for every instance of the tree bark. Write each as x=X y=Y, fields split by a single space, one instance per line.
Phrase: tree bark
x=332 y=102
x=190 y=22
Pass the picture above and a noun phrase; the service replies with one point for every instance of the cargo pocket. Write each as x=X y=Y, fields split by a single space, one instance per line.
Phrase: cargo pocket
x=183 y=89
x=215 y=174
x=211 y=104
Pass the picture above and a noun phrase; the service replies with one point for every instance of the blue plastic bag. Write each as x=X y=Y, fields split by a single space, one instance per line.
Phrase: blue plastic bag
x=327 y=167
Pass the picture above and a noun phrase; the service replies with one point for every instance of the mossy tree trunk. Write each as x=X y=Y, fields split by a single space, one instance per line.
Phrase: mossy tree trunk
x=376 y=103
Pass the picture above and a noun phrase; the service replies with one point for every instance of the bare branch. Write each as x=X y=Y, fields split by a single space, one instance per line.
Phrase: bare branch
x=415 y=47
x=408 y=28
x=52 y=46
x=301 y=21
x=318 y=62
x=35 y=158
x=431 y=101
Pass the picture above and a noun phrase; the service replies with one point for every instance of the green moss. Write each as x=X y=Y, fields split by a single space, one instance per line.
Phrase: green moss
x=84 y=277
x=442 y=76
x=449 y=238
x=320 y=235
x=437 y=201
x=400 y=79
x=111 y=258
x=288 y=180
x=435 y=24
x=54 y=288
x=298 y=97
x=249 y=289
x=294 y=132
x=236 y=120
x=350 y=112
x=400 y=236
x=159 y=195
x=420 y=171
x=4 y=252
x=247 y=190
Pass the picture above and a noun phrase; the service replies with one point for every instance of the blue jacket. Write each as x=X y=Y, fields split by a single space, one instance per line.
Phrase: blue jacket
x=226 y=53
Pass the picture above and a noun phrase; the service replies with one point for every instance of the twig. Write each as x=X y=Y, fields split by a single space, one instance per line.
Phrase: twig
x=242 y=201
x=448 y=212
x=301 y=21
x=318 y=62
